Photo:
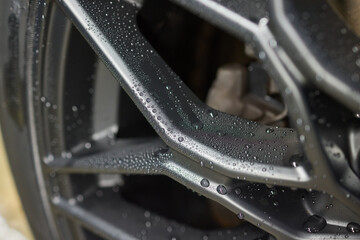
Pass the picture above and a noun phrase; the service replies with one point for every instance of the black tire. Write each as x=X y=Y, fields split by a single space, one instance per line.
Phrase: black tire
x=14 y=45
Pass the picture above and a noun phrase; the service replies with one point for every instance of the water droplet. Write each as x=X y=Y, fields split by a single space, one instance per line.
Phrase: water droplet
x=355 y=49
x=49 y=158
x=272 y=43
x=56 y=199
x=221 y=189
x=161 y=151
x=299 y=121
x=87 y=145
x=273 y=191
x=169 y=229
x=212 y=113
x=263 y=21
x=79 y=198
x=296 y=160
x=357 y=62
x=180 y=139
x=353 y=227
x=319 y=78
x=198 y=125
x=237 y=191
x=241 y=216
x=220 y=133
x=147 y=214
x=204 y=182
x=287 y=91
x=314 y=224
x=262 y=55
x=269 y=130
x=302 y=138
x=67 y=155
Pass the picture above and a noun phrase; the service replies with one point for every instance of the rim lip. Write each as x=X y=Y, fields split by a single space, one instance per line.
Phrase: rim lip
x=35 y=10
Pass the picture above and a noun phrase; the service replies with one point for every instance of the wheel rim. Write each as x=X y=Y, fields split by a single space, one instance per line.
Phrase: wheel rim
x=190 y=130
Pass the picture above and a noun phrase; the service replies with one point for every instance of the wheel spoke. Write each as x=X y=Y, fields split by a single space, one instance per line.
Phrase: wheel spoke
x=314 y=54
x=138 y=156
x=205 y=143
x=249 y=200
x=292 y=82
x=126 y=221
x=238 y=17
x=90 y=221
x=218 y=140
x=151 y=156
x=243 y=198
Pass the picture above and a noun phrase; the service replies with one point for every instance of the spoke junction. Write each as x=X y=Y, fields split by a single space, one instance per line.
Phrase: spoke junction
x=185 y=123
x=211 y=152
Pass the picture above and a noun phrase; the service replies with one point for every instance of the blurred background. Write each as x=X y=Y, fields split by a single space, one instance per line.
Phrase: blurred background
x=13 y=223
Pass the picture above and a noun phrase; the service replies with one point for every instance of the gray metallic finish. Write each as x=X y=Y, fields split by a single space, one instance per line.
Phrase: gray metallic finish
x=207 y=144
x=138 y=156
x=153 y=157
x=131 y=219
x=90 y=221
x=293 y=85
x=333 y=66
x=183 y=122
